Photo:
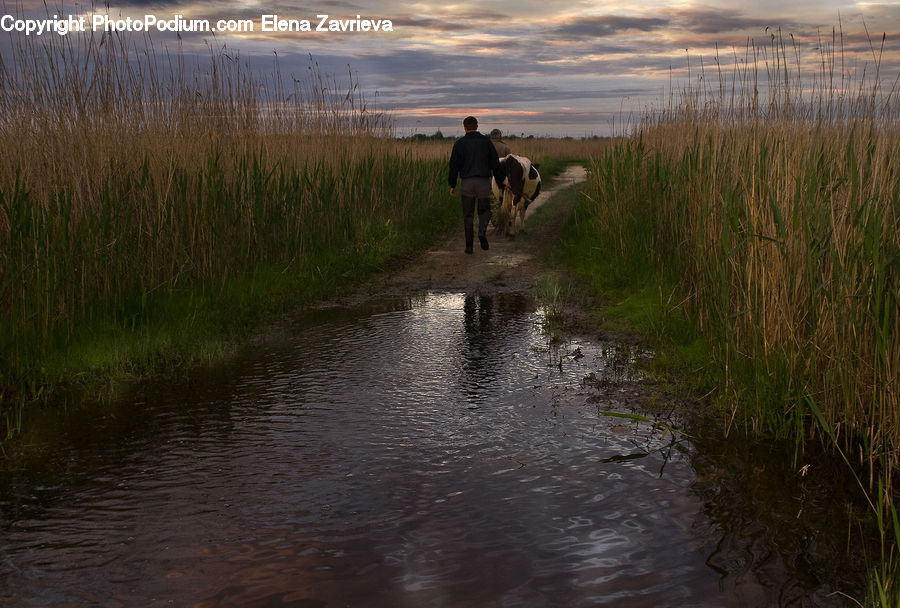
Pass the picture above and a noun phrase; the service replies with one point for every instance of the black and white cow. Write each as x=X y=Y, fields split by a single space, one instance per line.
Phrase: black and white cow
x=524 y=187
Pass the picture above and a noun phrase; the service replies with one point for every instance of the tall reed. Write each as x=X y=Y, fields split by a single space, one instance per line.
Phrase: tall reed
x=129 y=175
x=772 y=201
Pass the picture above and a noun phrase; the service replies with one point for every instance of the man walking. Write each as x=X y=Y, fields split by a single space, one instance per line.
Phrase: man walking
x=474 y=159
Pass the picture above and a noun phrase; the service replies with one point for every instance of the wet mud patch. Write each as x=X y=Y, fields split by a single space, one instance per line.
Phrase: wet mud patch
x=511 y=264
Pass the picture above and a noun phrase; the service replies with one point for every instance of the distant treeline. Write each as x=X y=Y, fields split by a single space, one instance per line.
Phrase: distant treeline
x=439 y=136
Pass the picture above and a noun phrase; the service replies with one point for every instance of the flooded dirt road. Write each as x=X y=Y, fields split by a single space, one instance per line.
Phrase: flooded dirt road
x=442 y=449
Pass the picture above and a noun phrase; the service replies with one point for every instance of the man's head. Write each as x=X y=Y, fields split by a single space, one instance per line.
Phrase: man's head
x=496 y=134
x=470 y=123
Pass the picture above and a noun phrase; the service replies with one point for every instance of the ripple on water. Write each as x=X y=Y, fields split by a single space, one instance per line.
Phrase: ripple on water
x=446 y=453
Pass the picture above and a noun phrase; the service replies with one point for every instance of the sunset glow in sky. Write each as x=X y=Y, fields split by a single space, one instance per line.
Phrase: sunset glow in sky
x=537 y=67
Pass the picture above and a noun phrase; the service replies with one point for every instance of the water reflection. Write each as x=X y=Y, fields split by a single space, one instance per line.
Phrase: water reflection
x=481 y=355
x=477 y=360
x=439 y=452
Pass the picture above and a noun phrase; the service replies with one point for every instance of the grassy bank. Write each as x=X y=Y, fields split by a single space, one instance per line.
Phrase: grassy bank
x=145 y=222
x=759 y=234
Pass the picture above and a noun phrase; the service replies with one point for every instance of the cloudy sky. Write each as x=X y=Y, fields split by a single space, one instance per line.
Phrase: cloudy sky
x=543 y=67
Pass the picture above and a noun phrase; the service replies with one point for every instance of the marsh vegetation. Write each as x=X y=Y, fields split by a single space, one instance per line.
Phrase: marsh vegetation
x=142 y=213
x=760 y=209
x=152 y=208
x=155 y=204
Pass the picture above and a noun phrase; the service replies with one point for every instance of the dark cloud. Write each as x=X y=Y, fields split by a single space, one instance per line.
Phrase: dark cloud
x=589 y=64
x=437 y=71
x=460 y=22
x=608 y=25
x=708 y=21
x=695 y=20
x=513 y=95
x=430 y=24
x=404 y=78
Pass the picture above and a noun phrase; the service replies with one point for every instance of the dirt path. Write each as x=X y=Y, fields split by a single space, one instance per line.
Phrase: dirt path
x=509 y=264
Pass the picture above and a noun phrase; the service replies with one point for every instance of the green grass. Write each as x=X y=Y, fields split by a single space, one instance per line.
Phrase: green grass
x=630 y=297
x=140 y=329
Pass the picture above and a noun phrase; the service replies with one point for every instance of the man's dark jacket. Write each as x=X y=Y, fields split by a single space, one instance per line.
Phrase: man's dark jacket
x=474 y=155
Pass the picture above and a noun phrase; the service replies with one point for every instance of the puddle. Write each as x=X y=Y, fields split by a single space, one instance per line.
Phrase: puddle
x=434 y=451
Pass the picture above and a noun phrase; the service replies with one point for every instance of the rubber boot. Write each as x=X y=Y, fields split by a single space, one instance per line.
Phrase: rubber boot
x=468 y=203
x=484 y=217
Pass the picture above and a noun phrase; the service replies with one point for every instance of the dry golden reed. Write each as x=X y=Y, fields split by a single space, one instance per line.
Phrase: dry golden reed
x=129 y=174
x=770 y=197
x=776 y=203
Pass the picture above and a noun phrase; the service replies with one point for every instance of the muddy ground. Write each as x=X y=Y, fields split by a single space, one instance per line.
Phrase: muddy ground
x=510 y=265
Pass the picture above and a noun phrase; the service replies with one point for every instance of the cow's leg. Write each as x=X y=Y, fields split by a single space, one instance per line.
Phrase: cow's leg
x=523 y=207
x=468 y=204
x=484 y=217
x=496 y=202
x=514 y=219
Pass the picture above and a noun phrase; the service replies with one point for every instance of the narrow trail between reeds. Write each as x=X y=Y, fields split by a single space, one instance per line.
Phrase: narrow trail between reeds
x=510 y=265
